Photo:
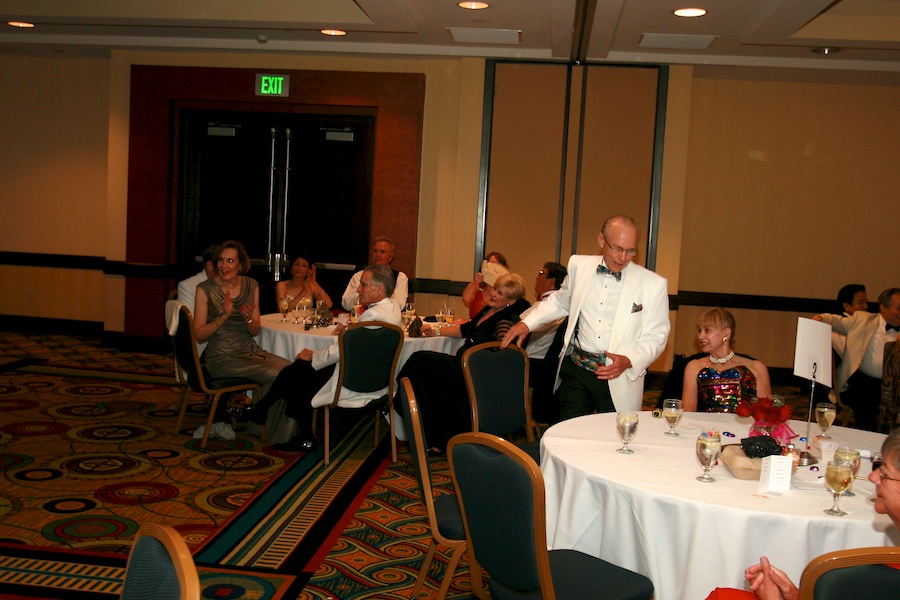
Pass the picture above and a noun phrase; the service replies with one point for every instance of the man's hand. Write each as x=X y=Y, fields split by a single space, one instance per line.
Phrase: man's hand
x=517 y=333
x=617 y=365
x=769 y=583
x=305 y=354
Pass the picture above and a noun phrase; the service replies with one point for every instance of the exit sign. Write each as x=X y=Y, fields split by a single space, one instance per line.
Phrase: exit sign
x=273 y=85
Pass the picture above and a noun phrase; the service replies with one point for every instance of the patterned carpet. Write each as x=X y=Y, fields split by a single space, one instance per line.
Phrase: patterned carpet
x=88 y=452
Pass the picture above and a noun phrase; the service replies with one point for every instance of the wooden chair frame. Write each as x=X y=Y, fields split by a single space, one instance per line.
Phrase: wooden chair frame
x=531 y=428
x=212 y=394
x=342 y=371
x=841 y=559
x=457 y=547
x=183 y=561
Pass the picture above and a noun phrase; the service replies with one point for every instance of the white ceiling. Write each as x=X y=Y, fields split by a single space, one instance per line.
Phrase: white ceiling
x=778 y=33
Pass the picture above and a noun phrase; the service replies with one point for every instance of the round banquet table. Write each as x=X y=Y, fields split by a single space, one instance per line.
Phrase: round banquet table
x=647 y=512
x=287 y=340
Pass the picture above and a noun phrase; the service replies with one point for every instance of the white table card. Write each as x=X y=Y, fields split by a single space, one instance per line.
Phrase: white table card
x=775 y=477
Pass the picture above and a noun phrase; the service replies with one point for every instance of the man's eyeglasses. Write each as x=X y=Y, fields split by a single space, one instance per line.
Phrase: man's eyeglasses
x=881 y=475
x=620 y=250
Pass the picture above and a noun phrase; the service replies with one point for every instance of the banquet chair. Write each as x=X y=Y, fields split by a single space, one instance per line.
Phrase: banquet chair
x=856 y=573
x=501 y=494
x=444 y=516
x=499 y=396
x=369 y=353
x=192 y=376
x=160 y=567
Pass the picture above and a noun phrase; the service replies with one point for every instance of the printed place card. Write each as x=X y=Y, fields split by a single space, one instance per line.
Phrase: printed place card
x=775 y=477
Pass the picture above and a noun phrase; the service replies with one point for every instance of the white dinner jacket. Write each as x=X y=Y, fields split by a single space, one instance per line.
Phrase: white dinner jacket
x=859 y=328
x=641 y=326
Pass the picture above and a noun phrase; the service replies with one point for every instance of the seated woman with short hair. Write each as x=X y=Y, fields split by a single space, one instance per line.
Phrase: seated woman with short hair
x=719 y=381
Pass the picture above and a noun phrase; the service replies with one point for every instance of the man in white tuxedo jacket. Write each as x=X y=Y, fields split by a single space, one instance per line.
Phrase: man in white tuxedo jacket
x=618 y=325
x=860 y=372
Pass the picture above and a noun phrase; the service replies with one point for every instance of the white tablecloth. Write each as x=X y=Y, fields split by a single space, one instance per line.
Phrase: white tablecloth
x=287 y=340
x=646 y=512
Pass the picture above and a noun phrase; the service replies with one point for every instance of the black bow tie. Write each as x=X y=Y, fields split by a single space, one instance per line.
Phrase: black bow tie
x=605 y=271
x=889 y=327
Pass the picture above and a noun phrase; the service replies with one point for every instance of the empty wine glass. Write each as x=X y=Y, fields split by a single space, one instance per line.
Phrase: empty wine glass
x=708 y=446
x=852 y=458
x=672 y=411
x=297 y=312
x=626 y=427
x=838 y=476
x=825 y=413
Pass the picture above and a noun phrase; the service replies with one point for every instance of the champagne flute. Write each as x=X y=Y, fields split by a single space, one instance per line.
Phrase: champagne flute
x=825 y=414
x=708 y=446
x=672 y=411
x=852 y=458
x=626 y=427
x=838 y=476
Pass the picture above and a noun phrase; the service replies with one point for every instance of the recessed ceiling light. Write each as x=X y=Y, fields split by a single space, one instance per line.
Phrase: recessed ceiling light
x=20 y=24
x=473 y=5
x=333 y=32
x=690 y=12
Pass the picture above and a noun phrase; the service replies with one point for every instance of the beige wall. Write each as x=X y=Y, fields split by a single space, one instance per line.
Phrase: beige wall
x=769 y=187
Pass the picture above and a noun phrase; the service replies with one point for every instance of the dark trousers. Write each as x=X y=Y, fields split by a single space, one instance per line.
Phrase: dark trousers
x=863 y=395
x=581 y=393
x=297 y=384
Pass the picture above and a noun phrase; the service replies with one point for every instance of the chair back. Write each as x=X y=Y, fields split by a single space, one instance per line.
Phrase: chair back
x=501 y=493
x=184 y=344
x=855 y=573
x=369 y=355
x=497 y=380
x=160 y=566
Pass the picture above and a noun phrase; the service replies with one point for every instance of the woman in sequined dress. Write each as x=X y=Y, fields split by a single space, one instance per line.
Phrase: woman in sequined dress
x=718 y=382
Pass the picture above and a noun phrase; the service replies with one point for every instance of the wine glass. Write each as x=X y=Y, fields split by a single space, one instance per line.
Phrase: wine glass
x=838 y=476
x=306 y=304
x=626 y=427
x=825 y=413
x=439 y=316
x=411 y=310
x=297 y=312
x=852 y=458
x=448 y=316
x=283 y=307
x=672 y=411
x=708 y=446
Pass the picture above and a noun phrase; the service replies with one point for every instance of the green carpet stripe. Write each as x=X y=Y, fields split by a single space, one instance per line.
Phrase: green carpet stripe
x=64 y=575
x=269 y=543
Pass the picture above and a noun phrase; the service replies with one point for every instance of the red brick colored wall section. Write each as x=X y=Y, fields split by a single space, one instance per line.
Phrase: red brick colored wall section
x=398 y=98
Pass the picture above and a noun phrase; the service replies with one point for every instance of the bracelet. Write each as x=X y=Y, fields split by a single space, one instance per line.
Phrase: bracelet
x=439 y=332
x=250 y=321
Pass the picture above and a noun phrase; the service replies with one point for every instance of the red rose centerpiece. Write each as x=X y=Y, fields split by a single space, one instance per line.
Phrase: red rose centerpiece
x=770 y=418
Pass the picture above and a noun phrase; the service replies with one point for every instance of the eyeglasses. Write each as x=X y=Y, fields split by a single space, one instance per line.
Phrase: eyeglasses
x=619 y=250
x=542 y=273
x=881 y=475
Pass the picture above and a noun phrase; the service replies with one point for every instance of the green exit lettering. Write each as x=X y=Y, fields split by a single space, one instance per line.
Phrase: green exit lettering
x=271 y=85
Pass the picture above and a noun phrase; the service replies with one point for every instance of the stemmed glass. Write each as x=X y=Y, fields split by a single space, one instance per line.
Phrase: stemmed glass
x=825 y=413
x=439 y=317
x=852 y=458
x=838 y=476
x=708 y=446
x=672 y=411
x=283 y=307
x=297 y=312
x=626 y=427
x=448 y=315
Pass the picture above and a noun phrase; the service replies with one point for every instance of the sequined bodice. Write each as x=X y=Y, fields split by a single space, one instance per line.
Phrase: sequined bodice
x=721 y=392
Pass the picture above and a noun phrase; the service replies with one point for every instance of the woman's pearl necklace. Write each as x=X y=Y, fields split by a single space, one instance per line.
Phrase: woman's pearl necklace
x=723 y=360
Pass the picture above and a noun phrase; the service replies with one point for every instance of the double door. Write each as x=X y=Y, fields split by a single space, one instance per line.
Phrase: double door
x=281 y=183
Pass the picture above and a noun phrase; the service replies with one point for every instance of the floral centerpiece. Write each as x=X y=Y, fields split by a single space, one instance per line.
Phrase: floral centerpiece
x=770 y=418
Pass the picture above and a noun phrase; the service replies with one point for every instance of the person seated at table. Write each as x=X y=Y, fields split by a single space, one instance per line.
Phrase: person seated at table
x=227 y=318
x=718 y=381
x=437 y=378
x=299 y=383
x=476 y=292
x=302 y=284
x=769 y=583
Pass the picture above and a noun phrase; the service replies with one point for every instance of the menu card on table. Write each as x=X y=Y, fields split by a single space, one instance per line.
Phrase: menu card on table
x=775 y=477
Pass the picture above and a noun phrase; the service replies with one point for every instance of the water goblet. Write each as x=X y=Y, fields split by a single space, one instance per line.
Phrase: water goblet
x=626 y=427
x=448 y=316
x=838 y=476
x=283 y=307
x=673 y=409
x=439 y=316
x=825 y=413
x=852 y=458
x=709 y=444
x=297 y=312
x=411 y=310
